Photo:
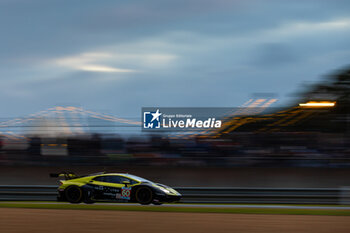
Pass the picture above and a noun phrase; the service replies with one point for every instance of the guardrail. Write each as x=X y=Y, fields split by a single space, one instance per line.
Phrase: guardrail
x=205 y=194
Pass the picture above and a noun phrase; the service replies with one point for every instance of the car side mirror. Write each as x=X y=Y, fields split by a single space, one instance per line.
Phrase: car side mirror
x=126 y=182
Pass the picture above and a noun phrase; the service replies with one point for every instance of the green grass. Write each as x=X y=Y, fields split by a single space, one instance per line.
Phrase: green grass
x=177 y=209
x=175 y=204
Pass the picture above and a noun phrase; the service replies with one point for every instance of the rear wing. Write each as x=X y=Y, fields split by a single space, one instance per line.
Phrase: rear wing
x=66 y=175
x=72 y=175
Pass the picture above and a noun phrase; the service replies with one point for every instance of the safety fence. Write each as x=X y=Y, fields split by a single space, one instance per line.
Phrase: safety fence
x=205 y=194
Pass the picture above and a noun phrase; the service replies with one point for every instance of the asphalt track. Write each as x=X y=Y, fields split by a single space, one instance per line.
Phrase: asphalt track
x=302 y=207
x=21 y=220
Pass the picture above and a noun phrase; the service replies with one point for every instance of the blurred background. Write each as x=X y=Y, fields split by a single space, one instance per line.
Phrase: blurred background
x=74 y=78
x=303 y=145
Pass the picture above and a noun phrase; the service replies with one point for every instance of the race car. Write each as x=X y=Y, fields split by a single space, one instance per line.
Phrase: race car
x=120 y=187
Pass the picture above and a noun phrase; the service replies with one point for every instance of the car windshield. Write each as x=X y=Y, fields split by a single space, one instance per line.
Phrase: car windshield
x=138 y=178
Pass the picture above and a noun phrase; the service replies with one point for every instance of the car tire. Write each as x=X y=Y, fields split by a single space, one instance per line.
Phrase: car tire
x=144 y=195
x=74 y=194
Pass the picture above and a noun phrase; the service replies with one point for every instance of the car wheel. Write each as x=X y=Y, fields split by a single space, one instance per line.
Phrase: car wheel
x=144 y=195
x=74 y=194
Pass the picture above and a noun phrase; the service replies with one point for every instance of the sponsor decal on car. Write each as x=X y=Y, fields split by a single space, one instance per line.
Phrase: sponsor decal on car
x=126 y=192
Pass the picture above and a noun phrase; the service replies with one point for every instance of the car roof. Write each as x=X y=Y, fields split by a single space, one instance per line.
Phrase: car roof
x=110 y=174
x=133 y=177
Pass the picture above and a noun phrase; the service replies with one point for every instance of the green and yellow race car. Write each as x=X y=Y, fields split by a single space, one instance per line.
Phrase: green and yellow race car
x=120 y=187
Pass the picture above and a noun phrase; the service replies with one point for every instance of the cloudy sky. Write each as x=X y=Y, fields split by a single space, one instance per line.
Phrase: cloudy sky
x=117 y=56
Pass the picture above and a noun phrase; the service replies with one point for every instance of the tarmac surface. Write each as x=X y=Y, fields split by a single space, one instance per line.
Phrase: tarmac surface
x=17 y=220
x=302 y=207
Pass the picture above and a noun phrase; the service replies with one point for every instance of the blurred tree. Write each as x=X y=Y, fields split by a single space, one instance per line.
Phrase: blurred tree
x=336 y=87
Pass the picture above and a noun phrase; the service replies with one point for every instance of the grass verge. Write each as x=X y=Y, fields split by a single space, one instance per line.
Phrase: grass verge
x=178 y=209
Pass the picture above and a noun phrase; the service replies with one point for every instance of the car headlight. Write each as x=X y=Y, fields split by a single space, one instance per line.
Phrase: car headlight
x=165 y=190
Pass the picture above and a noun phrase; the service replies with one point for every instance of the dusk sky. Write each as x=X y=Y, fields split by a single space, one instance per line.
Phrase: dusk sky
x=117 y=56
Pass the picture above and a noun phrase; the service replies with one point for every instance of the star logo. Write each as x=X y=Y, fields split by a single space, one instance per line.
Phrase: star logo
x=156 y=115
x=151 y=120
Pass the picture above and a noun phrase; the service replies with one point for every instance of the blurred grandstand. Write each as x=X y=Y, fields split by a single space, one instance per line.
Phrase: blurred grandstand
x=314 y=132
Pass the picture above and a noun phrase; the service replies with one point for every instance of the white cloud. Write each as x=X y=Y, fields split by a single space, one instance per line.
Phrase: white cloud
x=98 y=68
x=107 y=62
x=88 y=62
x=308 y=28
x=283 y=32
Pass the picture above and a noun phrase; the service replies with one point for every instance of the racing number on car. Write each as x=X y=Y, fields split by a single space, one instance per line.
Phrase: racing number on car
x=126 y=193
